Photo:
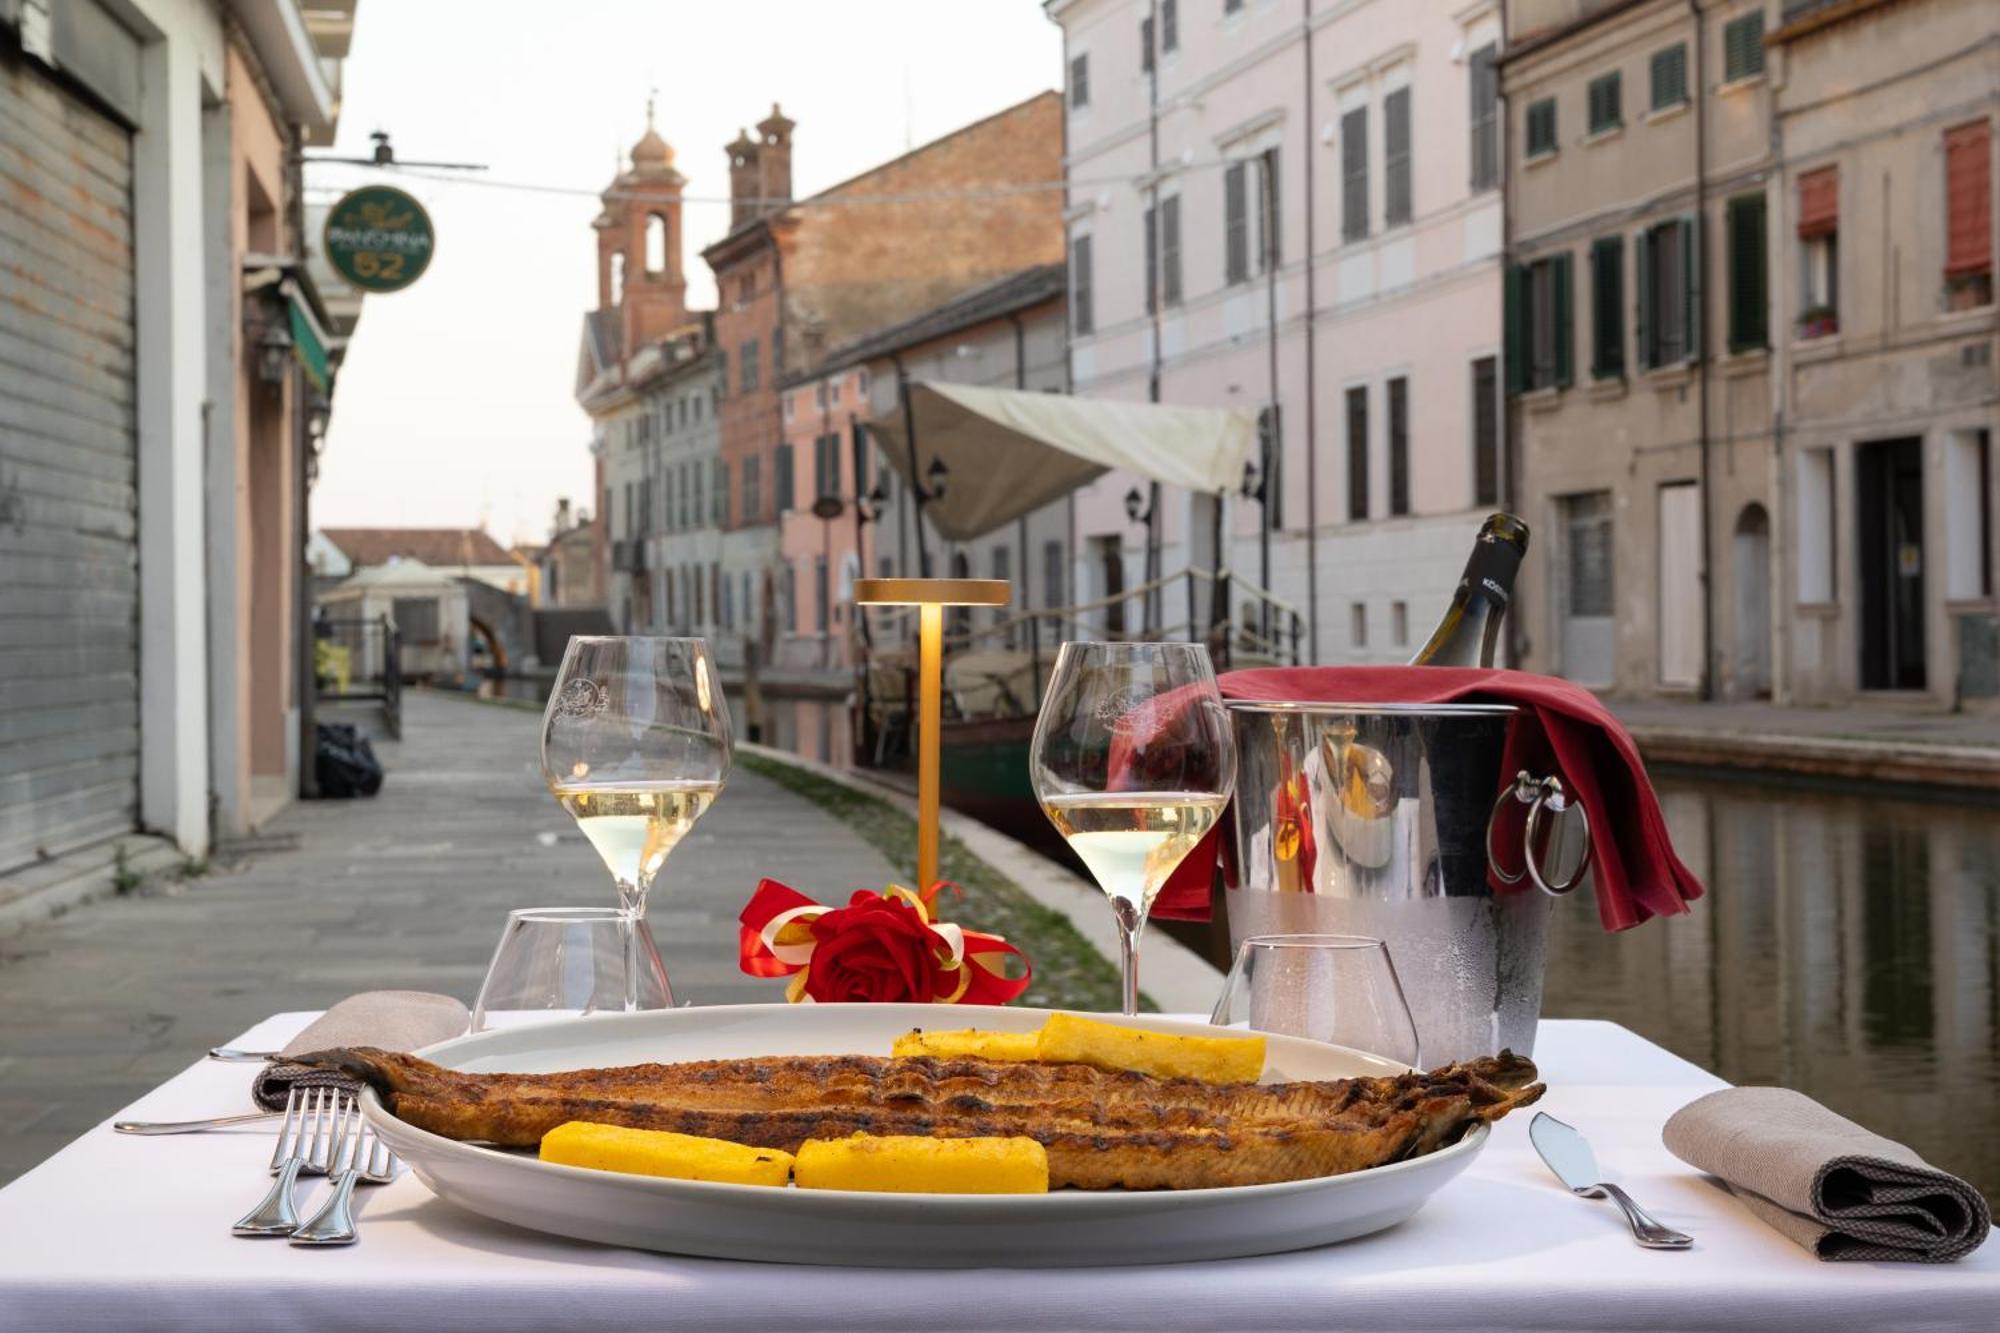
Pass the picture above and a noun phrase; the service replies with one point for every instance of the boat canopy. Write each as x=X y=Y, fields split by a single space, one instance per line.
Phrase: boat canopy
x=1008 y=452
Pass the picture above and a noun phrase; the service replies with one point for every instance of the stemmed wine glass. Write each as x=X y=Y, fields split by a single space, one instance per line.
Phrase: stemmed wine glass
x=1133 y=763
x=635 y=746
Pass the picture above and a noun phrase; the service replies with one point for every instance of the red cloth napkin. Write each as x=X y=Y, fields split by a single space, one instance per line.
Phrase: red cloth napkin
x=1561 y=729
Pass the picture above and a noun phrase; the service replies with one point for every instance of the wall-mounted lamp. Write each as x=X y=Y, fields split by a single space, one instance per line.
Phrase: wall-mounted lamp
x=274 y=354
x=1136 y=507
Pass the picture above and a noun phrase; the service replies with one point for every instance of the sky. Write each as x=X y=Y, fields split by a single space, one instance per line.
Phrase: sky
x=454 y=405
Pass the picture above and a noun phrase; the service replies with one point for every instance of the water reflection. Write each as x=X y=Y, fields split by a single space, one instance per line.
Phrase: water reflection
x=1849 y=947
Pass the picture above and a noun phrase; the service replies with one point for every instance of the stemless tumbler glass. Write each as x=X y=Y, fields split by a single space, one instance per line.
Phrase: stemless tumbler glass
x=1340 y=989
x=565 y=962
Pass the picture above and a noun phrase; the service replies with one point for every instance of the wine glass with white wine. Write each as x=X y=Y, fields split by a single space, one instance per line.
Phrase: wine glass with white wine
x=635 y=746
x=1133 y=762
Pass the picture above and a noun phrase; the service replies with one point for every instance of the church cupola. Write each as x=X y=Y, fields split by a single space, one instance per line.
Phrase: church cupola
x=639 y=244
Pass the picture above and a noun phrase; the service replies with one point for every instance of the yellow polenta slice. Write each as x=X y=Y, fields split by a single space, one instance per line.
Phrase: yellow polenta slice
x=909 y=1164
x=1072 y=1039
x=968 y=1043
x=656 y=1152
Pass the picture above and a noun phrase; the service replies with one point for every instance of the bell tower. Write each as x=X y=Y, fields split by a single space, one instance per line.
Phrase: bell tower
x=639 y=244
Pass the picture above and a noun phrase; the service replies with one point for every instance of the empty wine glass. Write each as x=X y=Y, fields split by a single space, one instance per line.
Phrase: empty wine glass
x=1340 y=989
x=635 y=746
x=566 y=962
x=1133 y=762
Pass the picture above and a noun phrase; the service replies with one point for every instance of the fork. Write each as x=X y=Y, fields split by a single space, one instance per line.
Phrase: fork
x=305 y=1146
x=360 y=1156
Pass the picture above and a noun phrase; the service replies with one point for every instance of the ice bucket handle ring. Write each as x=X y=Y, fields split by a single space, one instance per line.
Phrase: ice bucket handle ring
x=1540 y=795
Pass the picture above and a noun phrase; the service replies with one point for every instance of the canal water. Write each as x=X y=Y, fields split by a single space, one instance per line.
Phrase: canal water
x=1849 y=947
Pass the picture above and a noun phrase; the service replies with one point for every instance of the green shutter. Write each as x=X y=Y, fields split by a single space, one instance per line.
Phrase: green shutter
x=1697 y=315
x=1515 y=335
x=1749 y=297
x=1565 y=317
x=1642 y=268
x=1607 y=276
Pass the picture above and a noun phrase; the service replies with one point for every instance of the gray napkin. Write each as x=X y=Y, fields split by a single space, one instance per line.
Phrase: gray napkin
x=1825 y=1182
x=394 y=1020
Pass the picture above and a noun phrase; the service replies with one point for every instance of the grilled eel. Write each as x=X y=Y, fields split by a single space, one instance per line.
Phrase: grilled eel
x=1102 y=1129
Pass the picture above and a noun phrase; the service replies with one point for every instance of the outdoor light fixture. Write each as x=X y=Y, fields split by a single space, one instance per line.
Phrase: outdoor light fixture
x=274 y=354
x=930 y=597
x=1253 y=480
x=871 y=505
x=1136 y=508
x=935 y=475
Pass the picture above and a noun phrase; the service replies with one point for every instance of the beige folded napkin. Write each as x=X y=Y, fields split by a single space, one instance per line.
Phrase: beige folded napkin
x=1824 y=1181
x=394 y=1020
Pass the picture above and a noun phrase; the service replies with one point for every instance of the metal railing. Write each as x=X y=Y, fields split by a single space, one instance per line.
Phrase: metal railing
x=359 y=659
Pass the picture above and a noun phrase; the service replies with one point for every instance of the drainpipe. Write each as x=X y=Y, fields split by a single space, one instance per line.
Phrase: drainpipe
x=1021 y=382
x=1780 y=570
x=1312 y=367
x=304 y=680
x=1517 y=641
x=1703 y=355
x=1152 y=608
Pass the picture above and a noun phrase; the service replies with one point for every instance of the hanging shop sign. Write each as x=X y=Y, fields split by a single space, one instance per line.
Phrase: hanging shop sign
x=379 y=238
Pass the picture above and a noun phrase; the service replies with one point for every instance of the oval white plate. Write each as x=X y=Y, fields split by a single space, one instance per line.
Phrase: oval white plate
x=1063 y=1229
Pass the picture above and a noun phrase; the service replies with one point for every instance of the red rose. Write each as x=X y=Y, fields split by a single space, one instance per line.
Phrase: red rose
x=874 y=949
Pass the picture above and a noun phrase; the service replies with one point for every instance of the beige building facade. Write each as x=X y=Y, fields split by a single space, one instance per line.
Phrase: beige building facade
x=1751 y=400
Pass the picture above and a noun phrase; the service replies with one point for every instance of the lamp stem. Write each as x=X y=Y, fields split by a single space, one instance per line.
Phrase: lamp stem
x=930 y=716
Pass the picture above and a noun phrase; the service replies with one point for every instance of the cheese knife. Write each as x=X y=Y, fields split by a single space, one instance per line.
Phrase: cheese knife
x=1569 y=1156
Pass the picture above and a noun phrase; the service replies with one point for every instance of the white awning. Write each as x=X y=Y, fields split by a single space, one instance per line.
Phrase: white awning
x=1008 y=452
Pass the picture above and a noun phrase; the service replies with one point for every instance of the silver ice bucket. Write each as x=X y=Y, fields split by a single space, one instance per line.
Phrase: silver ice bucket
x=1377 y=820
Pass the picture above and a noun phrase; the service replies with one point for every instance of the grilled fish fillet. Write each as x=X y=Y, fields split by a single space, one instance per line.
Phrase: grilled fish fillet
x=1102 y=1129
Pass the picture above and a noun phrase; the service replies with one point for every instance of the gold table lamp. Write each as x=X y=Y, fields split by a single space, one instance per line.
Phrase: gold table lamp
x=930 y=597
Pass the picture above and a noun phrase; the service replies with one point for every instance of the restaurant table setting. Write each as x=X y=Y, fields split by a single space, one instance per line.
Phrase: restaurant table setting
x=1373 y=1128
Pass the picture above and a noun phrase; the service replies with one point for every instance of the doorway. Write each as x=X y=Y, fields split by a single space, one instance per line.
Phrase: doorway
x=1111 y=583
x=1750 y=561
x=1889 y=507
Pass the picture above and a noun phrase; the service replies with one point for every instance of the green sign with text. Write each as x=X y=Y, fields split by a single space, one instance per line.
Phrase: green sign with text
x=379 y=238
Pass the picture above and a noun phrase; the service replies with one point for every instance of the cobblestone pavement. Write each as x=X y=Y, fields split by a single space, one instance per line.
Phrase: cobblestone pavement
x=405 y=890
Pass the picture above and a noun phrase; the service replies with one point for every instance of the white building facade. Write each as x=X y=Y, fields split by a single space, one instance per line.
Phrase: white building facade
x=1330 y=171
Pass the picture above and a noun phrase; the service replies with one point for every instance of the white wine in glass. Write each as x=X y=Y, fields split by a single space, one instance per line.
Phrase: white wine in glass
x=636 y=746
x=1133 y=762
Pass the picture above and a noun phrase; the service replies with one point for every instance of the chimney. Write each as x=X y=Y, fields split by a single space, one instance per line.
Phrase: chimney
x=775 y=153
x=744 y=179
x=562 y=516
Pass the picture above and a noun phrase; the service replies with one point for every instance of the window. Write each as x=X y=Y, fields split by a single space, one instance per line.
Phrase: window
x=718 y=507
x=1968 y=517
x=783 y=497
x=1146 y=45
x=627 y=529
x=777 y=355
x=1541 y=127
x=1396 y=158
x=1270 y=224
x=416 y=618
x=1003 y=569
x=1235 y=225
x=1149 y=224
x=822 y=595
x=1587 y=525
x=696 y=581
x=788 y=600
x=1669 y=323
x=700 y=486
x=1399 y=445
x=1538 y=325
x=1968 y=210
x=861 y=456
x=1357 y=453
x=1743 y=47
x=1749 y=281
x=751 y=503
x=1670 y=77
x=1170 y=250
x=1486 y=431
x=1484 y=78
x=1170 y=25
x=1399 y=623
x=1816 y=539
x=1357 y=624
x=861 y=383
x=1054 y=567
x=1080 y=285
x=1607 y=103
x=681 y=504
x=1079 y=80
x=1607 y=308
x=1271 y=468
x=788 y=405
x=826 y=465
x=1819 y=252
x=1232 y=6
x=1354 y=174
x=746 y=361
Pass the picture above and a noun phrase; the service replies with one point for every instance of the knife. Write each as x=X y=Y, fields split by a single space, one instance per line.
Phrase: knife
x=1569 y=1156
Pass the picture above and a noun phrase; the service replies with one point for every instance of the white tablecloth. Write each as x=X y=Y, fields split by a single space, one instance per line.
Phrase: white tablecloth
x=116 y=1232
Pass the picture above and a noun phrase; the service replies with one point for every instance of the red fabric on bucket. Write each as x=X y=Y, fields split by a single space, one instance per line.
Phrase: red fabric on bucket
x=1562 y=729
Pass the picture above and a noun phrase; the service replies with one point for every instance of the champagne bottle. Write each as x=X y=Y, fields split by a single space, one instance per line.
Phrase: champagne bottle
x=1470 y=628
